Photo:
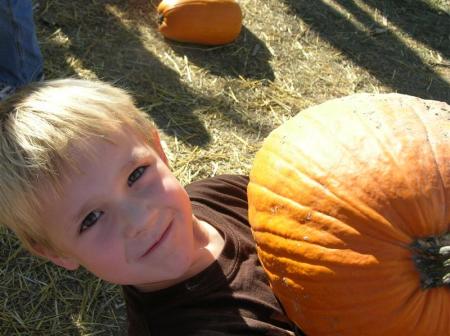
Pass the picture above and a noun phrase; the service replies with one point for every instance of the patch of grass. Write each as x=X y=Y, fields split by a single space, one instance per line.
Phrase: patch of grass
x=214 y=105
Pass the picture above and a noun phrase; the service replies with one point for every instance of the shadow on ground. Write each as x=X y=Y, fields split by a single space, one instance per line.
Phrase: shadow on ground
x=98 y=43
x=247 y=57
x=380 y=51
x=96 y=40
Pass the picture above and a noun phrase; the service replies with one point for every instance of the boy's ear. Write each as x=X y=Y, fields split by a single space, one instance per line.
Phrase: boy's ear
x=157 y=146
x=58 y=260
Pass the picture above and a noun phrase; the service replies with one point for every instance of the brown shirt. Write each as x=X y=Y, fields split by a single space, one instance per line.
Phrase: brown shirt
x=231 y=296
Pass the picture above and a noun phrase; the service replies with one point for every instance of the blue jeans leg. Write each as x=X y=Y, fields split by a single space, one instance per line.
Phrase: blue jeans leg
x=20 y=56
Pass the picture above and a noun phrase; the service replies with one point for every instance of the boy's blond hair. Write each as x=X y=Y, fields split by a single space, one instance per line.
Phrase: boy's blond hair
x=39 y=127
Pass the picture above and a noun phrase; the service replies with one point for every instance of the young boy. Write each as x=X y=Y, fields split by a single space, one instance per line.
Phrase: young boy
x=84 y=182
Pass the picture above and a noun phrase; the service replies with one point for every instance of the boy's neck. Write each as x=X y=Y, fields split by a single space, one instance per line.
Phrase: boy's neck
x=209 y=244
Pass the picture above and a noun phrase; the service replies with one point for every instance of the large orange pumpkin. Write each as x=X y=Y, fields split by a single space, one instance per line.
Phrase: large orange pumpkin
x=209 y=22
x=349 y=203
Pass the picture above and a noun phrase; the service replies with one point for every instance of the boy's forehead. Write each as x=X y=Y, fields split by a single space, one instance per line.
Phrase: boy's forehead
x=98 y=149
x=81 y=160
x=91 y=153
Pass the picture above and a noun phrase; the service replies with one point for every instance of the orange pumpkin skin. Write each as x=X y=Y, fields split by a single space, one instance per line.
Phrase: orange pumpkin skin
x=208 y=22
x=338 y=197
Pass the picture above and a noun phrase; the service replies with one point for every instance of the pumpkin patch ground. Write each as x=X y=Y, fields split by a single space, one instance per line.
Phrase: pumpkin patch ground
x=214 y=107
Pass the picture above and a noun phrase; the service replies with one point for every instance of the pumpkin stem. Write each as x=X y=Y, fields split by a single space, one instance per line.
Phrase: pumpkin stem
x=432 y=258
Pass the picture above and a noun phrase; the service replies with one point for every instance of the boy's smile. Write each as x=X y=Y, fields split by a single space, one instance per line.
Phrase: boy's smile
x=124 y=216
x=158 y=242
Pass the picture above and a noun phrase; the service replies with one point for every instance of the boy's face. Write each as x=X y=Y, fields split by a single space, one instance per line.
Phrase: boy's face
x=124 y=217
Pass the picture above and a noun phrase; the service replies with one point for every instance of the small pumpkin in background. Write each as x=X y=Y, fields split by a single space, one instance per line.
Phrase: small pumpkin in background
x=208 y=22
x=349 y=203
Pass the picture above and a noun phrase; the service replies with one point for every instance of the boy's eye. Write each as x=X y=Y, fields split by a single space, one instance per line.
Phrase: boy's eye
x=135 y=175
x=90 y=220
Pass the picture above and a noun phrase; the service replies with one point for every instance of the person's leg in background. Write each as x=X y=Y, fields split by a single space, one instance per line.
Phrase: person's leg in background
x=20 y=56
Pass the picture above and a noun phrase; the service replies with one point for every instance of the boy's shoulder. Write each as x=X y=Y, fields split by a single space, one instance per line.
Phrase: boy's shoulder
x=222 y=187
x=221 y=200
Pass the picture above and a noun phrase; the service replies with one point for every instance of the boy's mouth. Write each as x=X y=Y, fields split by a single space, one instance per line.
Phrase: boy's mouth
x=159 y=241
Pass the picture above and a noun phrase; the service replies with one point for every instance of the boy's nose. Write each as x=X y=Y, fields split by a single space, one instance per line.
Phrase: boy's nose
x=136 y=218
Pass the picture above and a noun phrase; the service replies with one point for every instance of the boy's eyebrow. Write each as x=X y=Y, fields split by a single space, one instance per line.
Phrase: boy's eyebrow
x=129 y=165
x=136 y=157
